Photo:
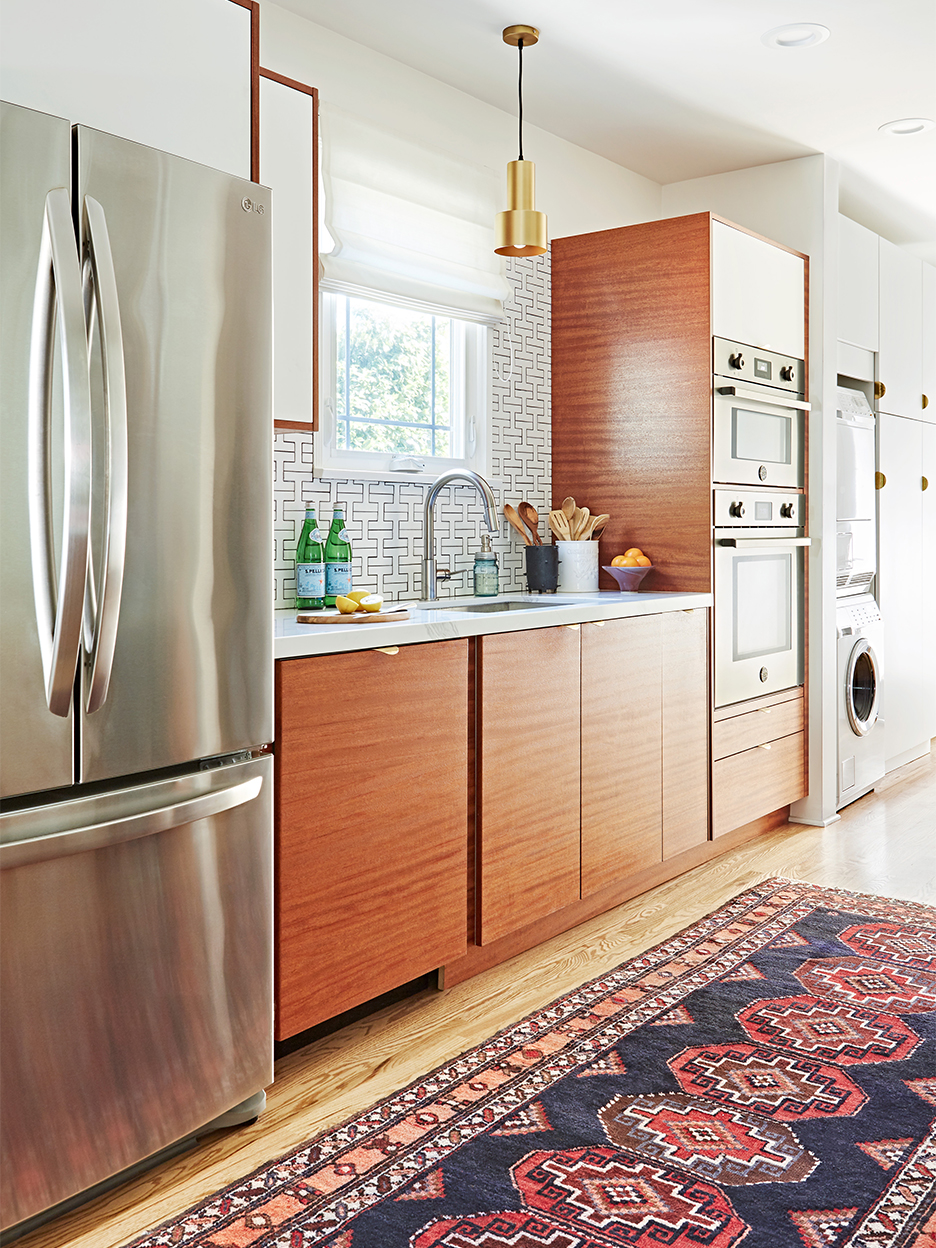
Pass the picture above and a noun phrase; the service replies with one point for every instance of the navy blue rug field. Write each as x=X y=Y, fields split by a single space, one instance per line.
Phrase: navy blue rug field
x=767 y=1077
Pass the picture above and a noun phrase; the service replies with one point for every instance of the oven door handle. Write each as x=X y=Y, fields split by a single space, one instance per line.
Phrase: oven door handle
x=762 y=543
x=777 y=400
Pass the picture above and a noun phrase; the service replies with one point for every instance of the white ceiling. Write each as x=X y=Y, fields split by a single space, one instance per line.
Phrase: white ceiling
x=677 y=89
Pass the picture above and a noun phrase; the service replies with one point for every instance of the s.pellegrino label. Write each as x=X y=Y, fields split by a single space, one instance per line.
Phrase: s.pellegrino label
x=310 y=565
x=337 y=558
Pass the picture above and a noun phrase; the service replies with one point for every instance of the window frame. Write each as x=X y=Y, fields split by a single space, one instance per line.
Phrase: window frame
x=471 y=382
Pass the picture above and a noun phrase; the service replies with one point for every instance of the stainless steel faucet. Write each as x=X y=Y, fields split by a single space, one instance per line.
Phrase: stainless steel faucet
x=429 y=572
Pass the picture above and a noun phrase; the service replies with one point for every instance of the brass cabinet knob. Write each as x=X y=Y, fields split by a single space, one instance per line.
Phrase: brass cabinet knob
x=879 y=389
x=924 y=483
x=879 y=480
x=925 y=400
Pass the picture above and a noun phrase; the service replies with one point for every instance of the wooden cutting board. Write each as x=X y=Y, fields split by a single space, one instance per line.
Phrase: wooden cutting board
x=359 y=617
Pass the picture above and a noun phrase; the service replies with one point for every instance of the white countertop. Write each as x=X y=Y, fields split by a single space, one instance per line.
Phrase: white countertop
x=440 y=623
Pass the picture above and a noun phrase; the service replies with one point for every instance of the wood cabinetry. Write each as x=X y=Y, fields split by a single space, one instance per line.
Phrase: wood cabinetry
x=632 y=326
x=592 y=760
x=528 y=750
x=759 y=759
x=622 y=749
x=372 y=813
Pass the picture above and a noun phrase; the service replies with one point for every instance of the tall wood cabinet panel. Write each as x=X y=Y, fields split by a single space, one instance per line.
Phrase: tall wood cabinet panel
x=900 y=584
x=622 y=754
x=631 y=387
x=685 y=731
x=372 y=811
x=900 y=358
x=528 y=778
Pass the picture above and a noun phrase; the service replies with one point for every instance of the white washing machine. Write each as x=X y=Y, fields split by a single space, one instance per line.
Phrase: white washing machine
x=860 y=725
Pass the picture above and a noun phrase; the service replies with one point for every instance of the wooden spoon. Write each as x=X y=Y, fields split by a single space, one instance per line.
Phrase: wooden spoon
x=579 y=520
x=598 y=525
x=530 y=517
x=568 y=508
x=515 y=522
x=591 y=525
x=560 y=526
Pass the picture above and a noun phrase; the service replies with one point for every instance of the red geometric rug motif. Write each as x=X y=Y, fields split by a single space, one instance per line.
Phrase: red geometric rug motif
x=767 y=1077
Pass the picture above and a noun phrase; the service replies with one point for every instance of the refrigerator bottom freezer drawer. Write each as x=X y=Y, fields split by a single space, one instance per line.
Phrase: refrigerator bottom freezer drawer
x=136 y=981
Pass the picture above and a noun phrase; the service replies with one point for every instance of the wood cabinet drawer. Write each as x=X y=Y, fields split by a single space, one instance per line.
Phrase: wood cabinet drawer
x=755 y=782
x=743 y=732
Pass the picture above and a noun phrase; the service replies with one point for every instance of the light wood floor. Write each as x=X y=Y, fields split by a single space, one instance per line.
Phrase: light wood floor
x=885 y=843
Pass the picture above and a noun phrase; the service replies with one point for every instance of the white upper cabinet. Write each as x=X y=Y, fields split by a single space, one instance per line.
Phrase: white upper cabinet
x=929 y=343
x=758 y=292
x=174 y=75
x=288 y=167
x=857 y=285
x=900 y=350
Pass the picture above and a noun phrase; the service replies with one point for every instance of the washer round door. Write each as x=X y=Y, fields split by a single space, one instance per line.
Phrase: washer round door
x=862 y=689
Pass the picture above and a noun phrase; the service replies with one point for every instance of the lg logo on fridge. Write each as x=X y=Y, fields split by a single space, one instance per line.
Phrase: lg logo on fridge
x=248 y=205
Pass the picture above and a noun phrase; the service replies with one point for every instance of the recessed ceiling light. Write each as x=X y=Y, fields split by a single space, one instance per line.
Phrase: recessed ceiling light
x=908 y=125
x=796 y=35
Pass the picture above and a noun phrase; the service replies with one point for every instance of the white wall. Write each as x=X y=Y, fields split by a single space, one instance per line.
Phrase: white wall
x=579 y=191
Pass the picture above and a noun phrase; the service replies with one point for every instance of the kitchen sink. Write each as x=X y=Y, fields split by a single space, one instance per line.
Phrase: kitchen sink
x=485 y=608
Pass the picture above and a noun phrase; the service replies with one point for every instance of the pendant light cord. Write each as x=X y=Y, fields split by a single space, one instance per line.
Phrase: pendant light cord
x=520 y=96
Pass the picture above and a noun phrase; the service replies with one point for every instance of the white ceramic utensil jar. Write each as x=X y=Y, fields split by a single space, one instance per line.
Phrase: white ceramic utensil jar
x=578 y=567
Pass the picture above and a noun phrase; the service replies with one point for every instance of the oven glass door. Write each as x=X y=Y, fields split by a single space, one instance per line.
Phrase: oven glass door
x=758 y=617
x=757 y=442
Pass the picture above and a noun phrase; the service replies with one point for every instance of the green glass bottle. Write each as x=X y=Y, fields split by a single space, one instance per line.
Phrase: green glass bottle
x=310 y=565
x=337 y=558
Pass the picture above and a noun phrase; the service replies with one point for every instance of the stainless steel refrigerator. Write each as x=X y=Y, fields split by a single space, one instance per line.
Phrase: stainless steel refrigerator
x=135 y=654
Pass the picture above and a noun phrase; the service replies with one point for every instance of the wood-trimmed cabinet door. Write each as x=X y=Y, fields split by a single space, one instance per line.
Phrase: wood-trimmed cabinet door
x=622 y=749
x=529 y=725
x=372 y=815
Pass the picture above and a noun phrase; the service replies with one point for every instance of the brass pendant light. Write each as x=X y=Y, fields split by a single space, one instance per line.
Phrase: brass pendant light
x=521 y=230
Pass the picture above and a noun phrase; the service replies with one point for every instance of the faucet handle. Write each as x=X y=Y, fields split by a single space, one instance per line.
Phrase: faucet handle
x=446 y=574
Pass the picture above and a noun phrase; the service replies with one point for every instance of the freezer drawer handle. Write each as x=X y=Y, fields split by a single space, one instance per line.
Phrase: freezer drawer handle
x=99 y=286
x=130 y=828
x=57 y=303
x=761 y=543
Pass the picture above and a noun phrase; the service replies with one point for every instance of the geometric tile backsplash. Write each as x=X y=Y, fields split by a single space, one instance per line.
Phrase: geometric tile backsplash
x=386 y=517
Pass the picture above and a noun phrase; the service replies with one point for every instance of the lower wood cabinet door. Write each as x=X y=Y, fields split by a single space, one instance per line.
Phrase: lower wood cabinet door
x=372 y=811
x=622 y=755
x=528 y=724
x=686 y=717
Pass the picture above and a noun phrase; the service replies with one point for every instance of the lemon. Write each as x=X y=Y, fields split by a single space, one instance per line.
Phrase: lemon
x=373 y=602
x=357 y=594
x=345 y=605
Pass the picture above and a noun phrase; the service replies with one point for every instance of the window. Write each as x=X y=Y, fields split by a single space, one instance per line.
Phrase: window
x=405 y=387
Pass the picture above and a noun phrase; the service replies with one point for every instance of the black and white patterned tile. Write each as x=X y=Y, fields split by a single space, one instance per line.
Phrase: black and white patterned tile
x=385 y=518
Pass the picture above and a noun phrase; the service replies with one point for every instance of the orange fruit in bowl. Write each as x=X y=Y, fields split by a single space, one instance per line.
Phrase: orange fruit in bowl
x=634 y=553
x=643 y=561
x=628 y=563
x=618 y=561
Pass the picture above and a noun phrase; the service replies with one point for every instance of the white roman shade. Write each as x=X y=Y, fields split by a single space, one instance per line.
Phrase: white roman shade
x=409 y=221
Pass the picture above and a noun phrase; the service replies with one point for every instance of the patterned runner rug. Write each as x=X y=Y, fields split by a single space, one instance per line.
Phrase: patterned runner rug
x=767 y=1076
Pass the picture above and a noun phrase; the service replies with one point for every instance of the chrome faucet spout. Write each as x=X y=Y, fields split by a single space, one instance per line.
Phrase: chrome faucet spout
x=466 y=477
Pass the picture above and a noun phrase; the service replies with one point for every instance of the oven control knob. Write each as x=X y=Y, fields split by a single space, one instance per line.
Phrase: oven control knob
x=786 y=511
x=736 y=360
x=786 y=373
x=736 y=509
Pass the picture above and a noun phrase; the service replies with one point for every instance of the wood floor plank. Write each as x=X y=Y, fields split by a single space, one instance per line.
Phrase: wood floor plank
x=885 y=844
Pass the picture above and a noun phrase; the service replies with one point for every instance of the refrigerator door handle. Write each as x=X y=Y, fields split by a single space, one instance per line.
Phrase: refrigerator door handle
x=130 y=828
x=59 y=600
x=102 y=306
